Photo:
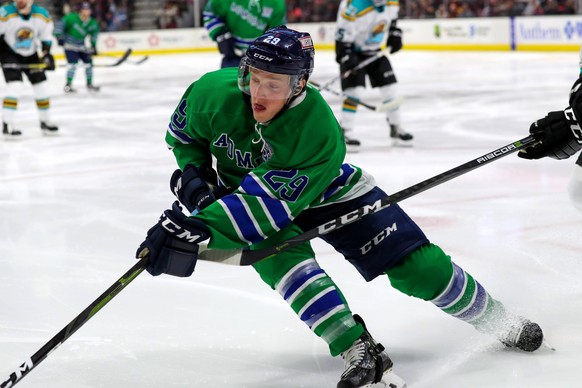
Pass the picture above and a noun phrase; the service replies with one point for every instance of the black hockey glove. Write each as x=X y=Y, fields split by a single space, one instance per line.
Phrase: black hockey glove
x=575 y=98
x=93 y=50
x=558 y=134
x=394 y=38
x=171 y=245
x=61 y=41
x=191 y=187
x=345 y=56
x=225 y=43
x=49 y=61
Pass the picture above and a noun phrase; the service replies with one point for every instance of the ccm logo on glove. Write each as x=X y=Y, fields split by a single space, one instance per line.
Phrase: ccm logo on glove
x=178 y=231
x=573 y=122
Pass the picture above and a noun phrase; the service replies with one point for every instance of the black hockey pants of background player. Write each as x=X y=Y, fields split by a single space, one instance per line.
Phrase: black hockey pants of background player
x=13 y=67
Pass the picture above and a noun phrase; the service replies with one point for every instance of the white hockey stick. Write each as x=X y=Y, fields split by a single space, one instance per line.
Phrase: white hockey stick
x=359 y=66
x=387 y=105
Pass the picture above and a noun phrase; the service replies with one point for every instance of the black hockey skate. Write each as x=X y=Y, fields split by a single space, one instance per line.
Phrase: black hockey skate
x=366 y=362
x=48 y=128
x=400 y=137
x=352 y=145
x=523 y=334
x=9 y=132
x=69 y=89
x=93 y=88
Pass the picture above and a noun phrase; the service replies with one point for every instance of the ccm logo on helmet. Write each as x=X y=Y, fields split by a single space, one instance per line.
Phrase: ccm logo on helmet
x=263 y=57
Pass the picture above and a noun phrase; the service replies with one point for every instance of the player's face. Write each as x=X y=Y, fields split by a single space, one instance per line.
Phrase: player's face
x=85 y=13
x=269 y=93
x=23 y=4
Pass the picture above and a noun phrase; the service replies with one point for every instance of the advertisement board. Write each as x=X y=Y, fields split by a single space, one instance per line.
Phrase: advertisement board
x=548 y=33
x=456 y=34
x=542 y=33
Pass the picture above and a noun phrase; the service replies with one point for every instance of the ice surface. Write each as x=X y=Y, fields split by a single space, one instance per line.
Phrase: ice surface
x=75 y=207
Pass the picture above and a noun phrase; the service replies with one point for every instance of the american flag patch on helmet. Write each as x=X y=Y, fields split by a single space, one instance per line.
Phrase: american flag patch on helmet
x=306 y=42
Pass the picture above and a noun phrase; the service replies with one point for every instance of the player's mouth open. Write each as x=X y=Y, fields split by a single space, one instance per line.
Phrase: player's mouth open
x=258 y=107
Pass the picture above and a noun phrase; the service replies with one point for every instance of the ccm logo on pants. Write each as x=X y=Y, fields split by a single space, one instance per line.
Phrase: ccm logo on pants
x=378 y=238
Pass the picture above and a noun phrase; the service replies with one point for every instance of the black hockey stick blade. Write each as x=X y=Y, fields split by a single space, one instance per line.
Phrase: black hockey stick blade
x=249 y=257
x=121 y=59
x=140 y=61
x=32 y=362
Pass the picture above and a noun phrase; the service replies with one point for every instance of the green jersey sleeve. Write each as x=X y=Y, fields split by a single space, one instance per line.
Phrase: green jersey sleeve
x=214 y=17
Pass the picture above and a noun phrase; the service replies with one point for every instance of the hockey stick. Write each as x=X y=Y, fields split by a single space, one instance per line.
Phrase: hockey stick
x=135 y=62
x=118 y=62
x=386 y=105
x=33 y=361
x=121 y=59
x=248 y=257
x=139 y=61
x=359 y=66
x=24 y=66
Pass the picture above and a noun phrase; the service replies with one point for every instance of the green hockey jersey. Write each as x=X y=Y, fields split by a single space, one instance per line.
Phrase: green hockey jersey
x=277 y=170
x=245 y=19
x=74 y=31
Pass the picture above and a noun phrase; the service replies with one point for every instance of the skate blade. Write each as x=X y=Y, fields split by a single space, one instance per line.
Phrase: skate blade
x=402 y=144
x=352 y=149
x=547 y=345
x=50 y=133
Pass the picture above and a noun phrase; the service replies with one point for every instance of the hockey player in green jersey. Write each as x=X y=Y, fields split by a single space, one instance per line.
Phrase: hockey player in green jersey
x=279 y=155
x=234 y=24
x=71 y=33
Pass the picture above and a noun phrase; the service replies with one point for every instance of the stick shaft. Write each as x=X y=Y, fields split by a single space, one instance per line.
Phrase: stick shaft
x=74 y=325
x=354 y=100
x=359 y=66
x=249 y=257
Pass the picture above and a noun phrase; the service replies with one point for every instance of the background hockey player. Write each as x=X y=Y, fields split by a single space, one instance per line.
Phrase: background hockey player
x=560 y=137
x=234 y=24
x=280 y=152
x=72 y=32
x=25 y=28
x=361 y=30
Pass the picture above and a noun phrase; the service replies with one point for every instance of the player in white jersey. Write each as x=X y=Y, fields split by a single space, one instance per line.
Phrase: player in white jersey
x=25 y=28
x=361 y=29
x=560 y=136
